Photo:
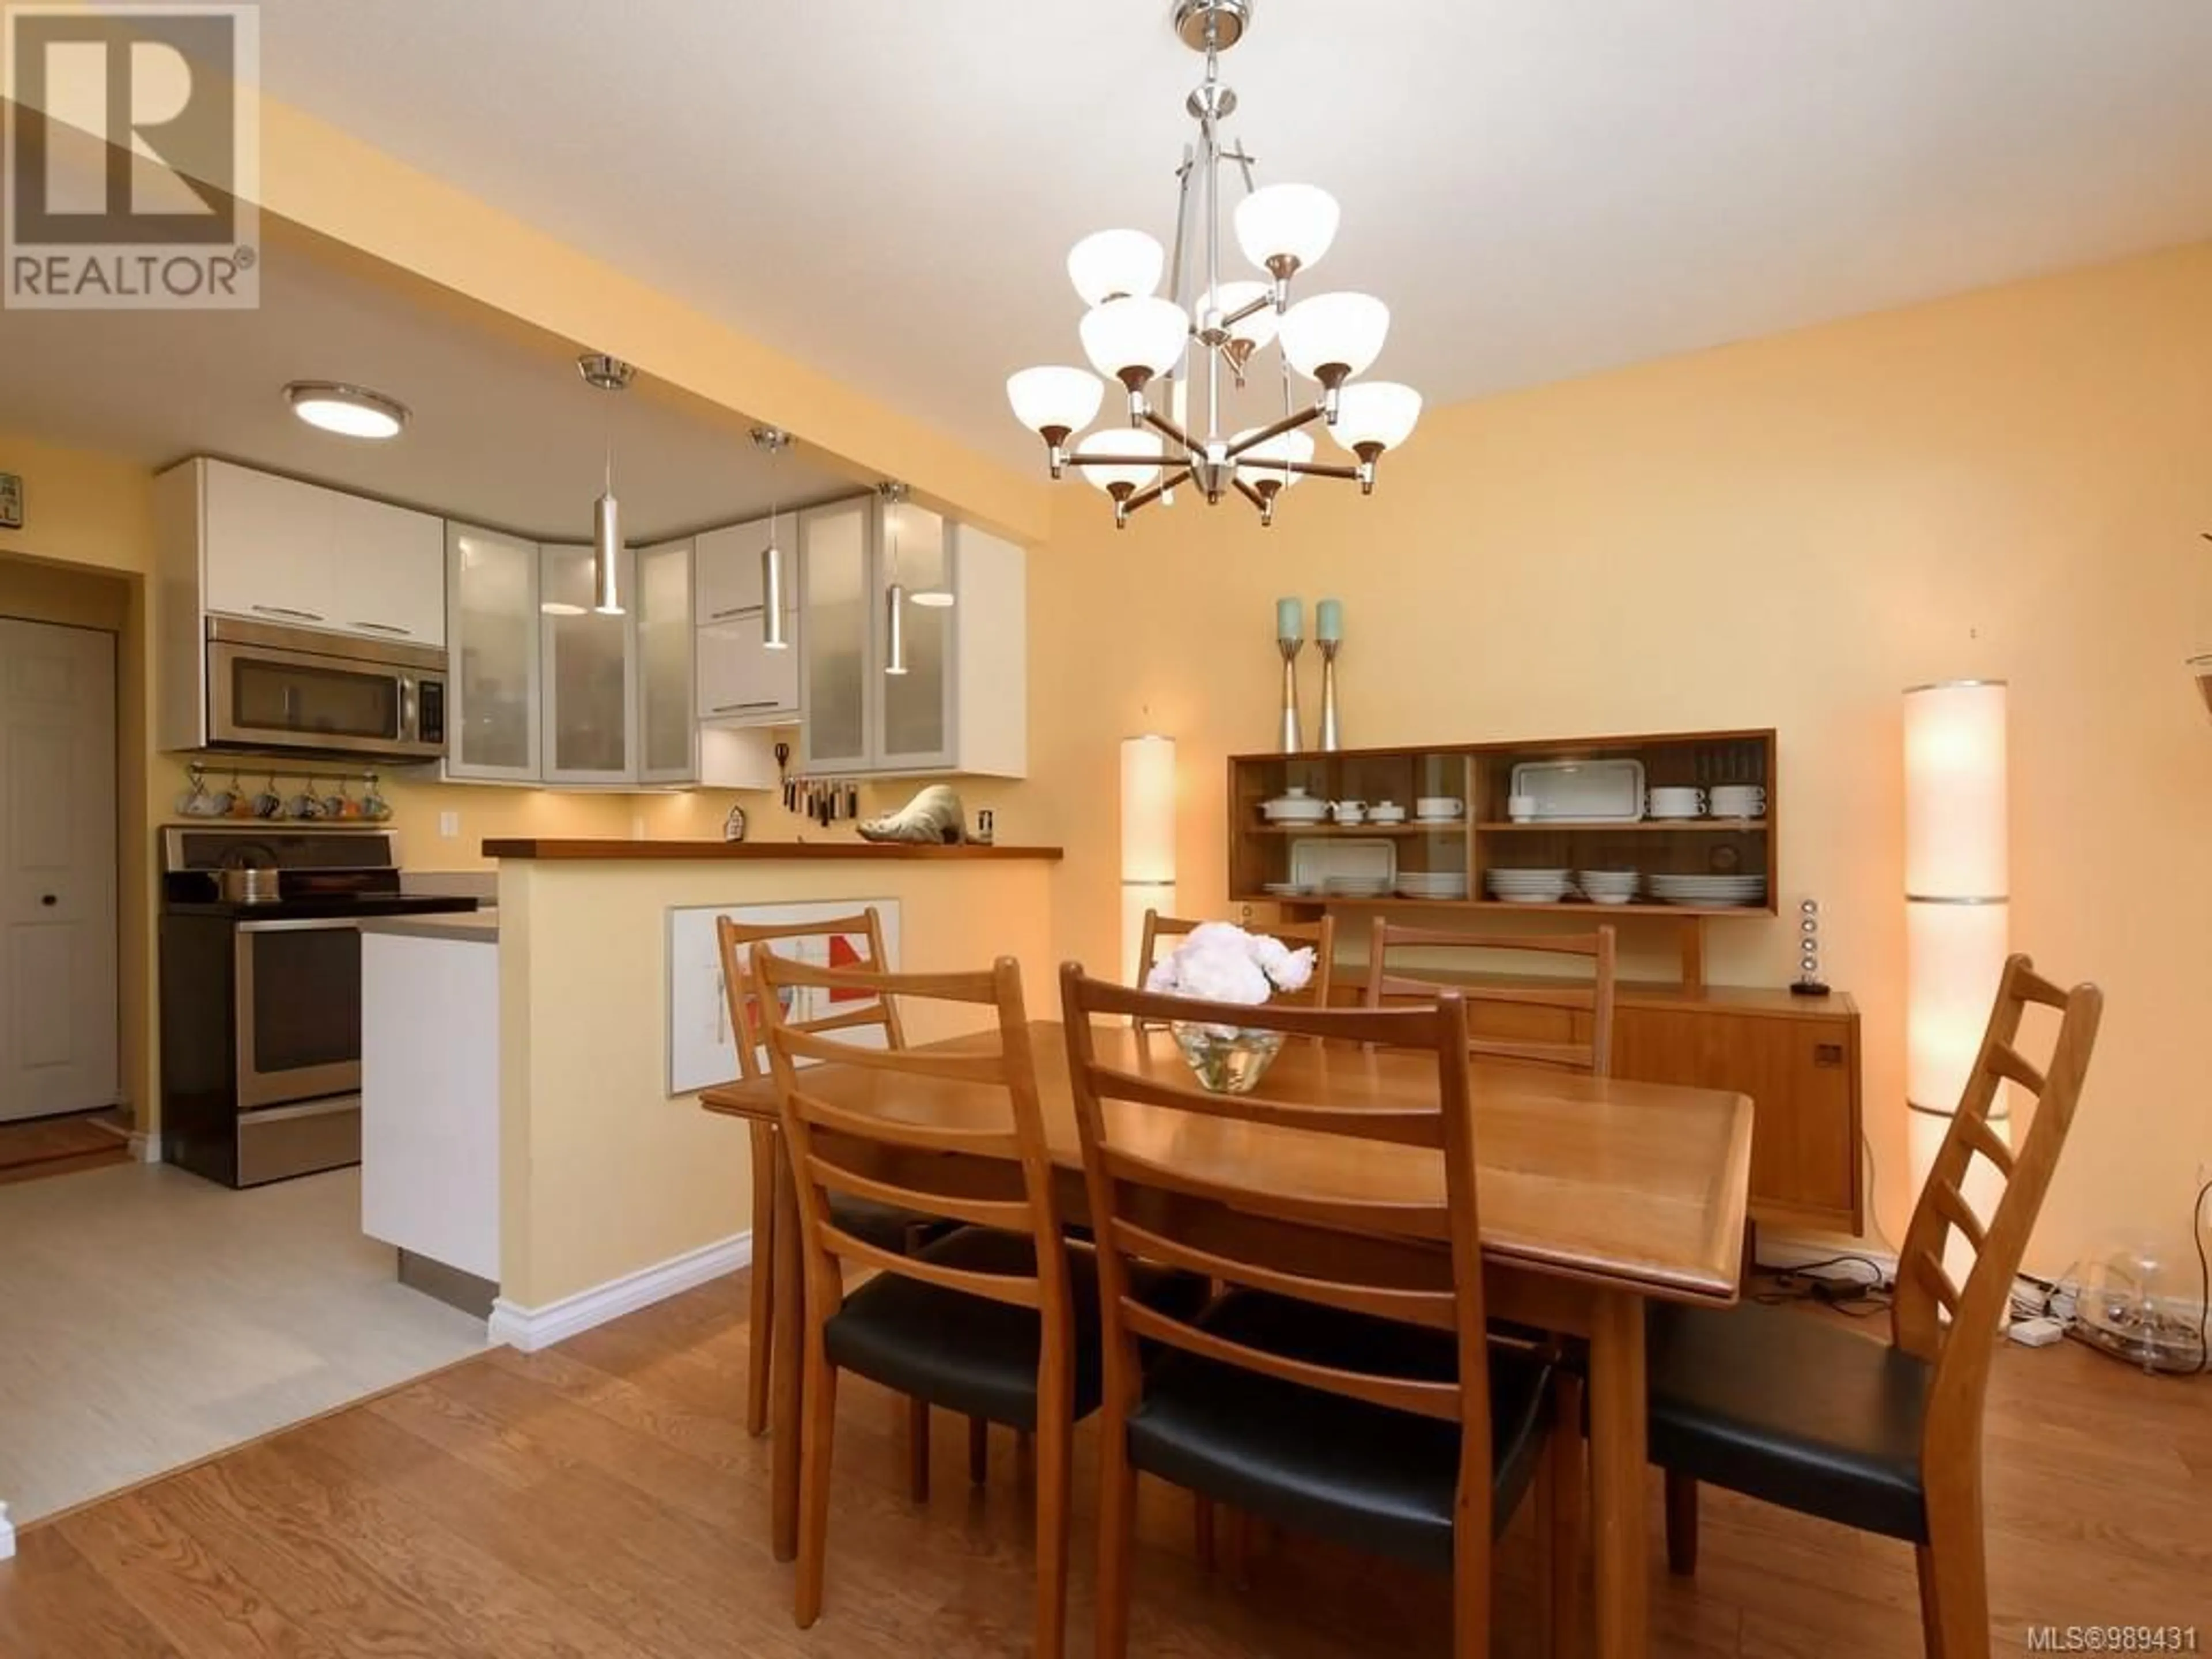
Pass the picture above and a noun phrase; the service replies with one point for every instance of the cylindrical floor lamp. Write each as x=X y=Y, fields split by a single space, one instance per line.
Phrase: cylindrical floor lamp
x=1957 y=888
x=1148 y=839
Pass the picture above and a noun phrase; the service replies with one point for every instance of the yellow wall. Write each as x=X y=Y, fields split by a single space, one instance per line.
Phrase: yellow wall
x=1786 y=532
x=601 y=1172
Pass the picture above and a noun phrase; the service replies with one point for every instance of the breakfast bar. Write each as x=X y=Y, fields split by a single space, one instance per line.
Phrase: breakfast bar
x=610 y=1185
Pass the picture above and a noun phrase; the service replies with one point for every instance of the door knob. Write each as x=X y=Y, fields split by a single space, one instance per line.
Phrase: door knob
x=49 y=898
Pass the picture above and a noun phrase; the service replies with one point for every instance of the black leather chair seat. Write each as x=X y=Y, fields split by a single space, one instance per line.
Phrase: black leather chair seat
x=1318 y=1463
x=886 y=1226
x=972 y=1355
x=1792 y=1410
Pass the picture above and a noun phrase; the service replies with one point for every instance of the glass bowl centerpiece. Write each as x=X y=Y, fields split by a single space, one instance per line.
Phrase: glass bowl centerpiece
x=1219 y=962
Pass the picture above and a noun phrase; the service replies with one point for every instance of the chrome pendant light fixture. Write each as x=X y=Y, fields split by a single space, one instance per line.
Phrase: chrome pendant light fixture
x=894 y=498
x=1207 y=329
x=607 y=374
x=772 y=441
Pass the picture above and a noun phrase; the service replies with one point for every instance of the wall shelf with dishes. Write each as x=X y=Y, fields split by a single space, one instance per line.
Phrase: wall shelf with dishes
x=1679 y=825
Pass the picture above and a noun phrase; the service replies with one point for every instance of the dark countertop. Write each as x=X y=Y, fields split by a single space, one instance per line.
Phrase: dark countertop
x=761 y=851
x=320 y=907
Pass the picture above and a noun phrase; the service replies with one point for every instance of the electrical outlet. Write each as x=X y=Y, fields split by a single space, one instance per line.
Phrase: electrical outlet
x=449 y=826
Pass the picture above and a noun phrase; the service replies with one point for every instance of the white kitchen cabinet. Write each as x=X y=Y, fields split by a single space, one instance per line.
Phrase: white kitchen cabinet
x=741 y=681
x=391 y=570
x=588 y=669
x=962 y=704
x=492 y=683
x=667 y=732
x=274 y=550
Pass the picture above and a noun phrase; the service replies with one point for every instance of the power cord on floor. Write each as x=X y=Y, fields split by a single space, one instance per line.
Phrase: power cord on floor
x=1810 y=1281
x=2203 y=1282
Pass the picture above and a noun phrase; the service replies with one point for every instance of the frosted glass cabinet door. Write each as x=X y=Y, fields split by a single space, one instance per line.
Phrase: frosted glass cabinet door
x=664 y=668
x=834 y=570
x=588 y=670
x=491 y=601
x=914 y=710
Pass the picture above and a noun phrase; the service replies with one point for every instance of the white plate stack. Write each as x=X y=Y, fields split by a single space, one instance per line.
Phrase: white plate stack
x=1290 y=888
x=1432 y=884
x=1529 y=886
x=1608 y=886
x=1737 y=800
x=1709 y=892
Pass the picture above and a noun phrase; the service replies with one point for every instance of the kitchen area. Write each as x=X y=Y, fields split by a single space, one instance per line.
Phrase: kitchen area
x=569 y=601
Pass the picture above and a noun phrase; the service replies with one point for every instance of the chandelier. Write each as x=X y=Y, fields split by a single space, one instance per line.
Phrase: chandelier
x=1207 y=328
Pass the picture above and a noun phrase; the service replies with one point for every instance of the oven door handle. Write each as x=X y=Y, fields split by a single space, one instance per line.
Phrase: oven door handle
x=300 y=924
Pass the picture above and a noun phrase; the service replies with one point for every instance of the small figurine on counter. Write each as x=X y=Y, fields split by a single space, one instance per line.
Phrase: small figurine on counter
x=934 y=816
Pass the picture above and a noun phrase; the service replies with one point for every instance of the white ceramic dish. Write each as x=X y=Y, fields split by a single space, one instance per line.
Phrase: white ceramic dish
x=1590 y=791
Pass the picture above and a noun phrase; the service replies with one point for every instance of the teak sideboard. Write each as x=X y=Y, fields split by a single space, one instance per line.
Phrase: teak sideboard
x=1797 y=1057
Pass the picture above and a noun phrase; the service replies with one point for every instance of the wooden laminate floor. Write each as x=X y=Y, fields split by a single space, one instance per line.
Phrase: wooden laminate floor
x=601 y=1501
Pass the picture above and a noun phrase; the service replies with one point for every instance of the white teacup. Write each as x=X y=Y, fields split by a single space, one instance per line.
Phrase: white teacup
x=1438 y=806
x=1348 y=811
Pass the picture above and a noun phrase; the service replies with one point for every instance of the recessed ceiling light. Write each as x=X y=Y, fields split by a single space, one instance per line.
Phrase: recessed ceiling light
x=351 y=411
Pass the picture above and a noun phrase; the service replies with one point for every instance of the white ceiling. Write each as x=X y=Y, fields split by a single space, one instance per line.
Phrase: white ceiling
x=1540 y=188
x=505 y=431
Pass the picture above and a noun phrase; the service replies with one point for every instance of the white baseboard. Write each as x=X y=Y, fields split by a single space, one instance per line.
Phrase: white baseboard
x=533 y=1328
x=7 y=1535
x=146 y=1145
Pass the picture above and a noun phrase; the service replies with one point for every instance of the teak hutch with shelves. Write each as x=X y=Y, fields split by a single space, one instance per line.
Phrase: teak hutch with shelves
x=1796 y=1057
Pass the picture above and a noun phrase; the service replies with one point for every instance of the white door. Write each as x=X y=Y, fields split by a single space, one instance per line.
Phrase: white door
x=57 y=1009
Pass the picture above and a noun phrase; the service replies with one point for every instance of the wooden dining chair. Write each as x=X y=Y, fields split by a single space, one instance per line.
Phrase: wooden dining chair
x=892 y=1227
x=1884 y=1437
x=1320 y=935
x=1347 y=1390
x=999 y=1319
x=1572 y=999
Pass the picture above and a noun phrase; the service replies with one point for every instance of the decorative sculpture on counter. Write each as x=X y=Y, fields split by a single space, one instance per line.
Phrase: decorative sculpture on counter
x=933 y=818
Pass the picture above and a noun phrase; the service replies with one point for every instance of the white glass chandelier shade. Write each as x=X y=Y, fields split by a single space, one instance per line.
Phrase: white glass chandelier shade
x=1134 y=338
x=1332 y=331
x=1286 y=228
x=1382 y=413
x=1109 y=263
x=1141 y=450
x=1254 y=465
x=1256 y=331
x=1055 y=398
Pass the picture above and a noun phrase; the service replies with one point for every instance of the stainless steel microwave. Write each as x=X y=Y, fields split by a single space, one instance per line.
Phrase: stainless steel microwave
x=295 y=691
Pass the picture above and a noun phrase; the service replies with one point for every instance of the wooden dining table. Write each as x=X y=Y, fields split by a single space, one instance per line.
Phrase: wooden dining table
x=1596 y=1196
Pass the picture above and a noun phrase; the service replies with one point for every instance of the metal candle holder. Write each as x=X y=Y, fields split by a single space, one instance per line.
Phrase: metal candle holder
x=1331 y=736
x=1293 y=740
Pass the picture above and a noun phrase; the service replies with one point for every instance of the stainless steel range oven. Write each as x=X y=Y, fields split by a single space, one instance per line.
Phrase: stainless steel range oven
x=261 y=1001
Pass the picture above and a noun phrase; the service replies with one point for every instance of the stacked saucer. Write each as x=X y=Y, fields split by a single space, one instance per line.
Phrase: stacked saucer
x=1290 y=888
x=1608 y=886
x=1432 y=884
x=1529 y=886
x=1709 y=892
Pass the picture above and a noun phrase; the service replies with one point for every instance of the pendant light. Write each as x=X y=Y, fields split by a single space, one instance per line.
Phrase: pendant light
x=772 y=441
x=607 y=374
x=894 y=496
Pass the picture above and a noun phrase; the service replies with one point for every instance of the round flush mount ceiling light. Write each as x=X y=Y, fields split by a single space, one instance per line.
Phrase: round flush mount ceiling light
x=351 y=411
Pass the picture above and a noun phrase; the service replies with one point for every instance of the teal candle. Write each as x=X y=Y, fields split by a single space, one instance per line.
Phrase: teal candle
x=1328 y=621
x=1289 y=619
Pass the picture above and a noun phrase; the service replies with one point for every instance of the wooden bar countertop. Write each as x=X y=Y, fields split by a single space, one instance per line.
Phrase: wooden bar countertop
x=761 y=851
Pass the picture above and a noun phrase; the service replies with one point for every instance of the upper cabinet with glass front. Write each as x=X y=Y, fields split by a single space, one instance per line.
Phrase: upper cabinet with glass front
x=916 y=644
x=491 y=604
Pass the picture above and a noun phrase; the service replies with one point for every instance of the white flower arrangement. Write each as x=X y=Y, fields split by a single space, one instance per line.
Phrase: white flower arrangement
x=1219 y=962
